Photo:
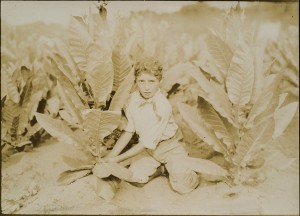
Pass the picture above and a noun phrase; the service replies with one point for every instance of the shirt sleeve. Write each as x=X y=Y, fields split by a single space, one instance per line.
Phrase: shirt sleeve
x=152 y=137
x=130 y=125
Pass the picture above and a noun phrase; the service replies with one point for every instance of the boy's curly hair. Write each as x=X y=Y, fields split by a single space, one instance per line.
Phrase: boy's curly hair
x=149 y=65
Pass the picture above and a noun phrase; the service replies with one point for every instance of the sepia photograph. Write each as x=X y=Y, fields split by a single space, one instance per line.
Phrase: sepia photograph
x=150 y=107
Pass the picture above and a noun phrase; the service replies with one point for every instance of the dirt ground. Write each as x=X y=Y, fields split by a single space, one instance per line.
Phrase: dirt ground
x=29 y=187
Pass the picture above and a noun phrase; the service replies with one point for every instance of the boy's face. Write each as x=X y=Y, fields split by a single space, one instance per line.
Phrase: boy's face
x=147 y=84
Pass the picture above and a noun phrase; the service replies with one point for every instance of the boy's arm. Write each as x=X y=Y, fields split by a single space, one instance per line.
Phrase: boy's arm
x=128 y=154
x=120 y=144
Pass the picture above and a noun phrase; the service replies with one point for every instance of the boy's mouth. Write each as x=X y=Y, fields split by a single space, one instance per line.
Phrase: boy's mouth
x=146 y=94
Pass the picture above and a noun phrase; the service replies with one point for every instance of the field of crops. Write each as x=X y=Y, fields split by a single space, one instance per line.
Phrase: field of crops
x=231 y=76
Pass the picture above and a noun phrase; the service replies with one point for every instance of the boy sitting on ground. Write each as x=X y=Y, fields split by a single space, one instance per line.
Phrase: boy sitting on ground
x=149 y=115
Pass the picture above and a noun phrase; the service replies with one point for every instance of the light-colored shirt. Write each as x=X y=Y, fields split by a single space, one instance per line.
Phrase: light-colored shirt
x=151 y=119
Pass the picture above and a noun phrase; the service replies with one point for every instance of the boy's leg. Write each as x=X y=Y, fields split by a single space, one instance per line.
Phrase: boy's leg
x=182 y=179
x=160 y=171
x=144 y=169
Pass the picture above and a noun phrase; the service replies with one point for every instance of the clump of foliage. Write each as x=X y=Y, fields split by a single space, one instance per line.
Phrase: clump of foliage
x=17 y=129
x=25 y=88
x=284 y=53
x=239 y=108
x=94 y=77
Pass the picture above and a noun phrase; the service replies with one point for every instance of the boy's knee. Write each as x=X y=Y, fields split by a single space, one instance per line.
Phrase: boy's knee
x=182 y=179
x=185 y=184
x=143 y=168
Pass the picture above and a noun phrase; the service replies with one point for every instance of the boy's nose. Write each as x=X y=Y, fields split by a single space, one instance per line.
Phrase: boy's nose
x=146 y=86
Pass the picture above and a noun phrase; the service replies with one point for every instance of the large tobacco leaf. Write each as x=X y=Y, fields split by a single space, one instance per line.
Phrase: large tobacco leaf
x=203 y=166
x=79 y=42
x=59 y=62
x=68 y=60
x=60 y=130
x=275 y=158
x=62 y=72
x=122 y=66
x=122 y=94
x=53 y=105
x=16 y=116
x=40 y=79
x=283 y=116
x=26 y=93
x=99 y=68
x=272 y=85
x=14 y=128
x=90 y=23
x=10 y=116
x=24 y=104
x=99 y=124
x=219 y=50
x=258 y=57
x=72 y=93
x=210 y=68
x=72 y=175
x=34 y=103
x=240 y=78
x=215 y=122
x=12 y=88
x=252 y=142
x=233 y=25
x=56 y=128
x=174 y=74
x=69 y=105
x=212 y=93
x=100 y=78
x=197 y=124
x=65 y=115
x=78 y=159
x=41 y=85
x=249 y=34
x=264 y=99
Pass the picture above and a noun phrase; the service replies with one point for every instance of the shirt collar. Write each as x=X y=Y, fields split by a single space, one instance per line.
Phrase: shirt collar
x=142 y=101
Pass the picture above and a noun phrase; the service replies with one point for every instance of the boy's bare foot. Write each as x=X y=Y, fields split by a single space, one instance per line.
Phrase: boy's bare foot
x=161 y=171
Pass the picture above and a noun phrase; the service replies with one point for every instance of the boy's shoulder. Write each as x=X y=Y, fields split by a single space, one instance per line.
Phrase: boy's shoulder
x=162 y=104
x=161 y=98
x=134 y=97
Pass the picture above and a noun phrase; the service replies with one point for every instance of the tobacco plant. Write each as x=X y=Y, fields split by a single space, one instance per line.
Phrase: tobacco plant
x=25 y=89
x=94 y=79
x=240 y=108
